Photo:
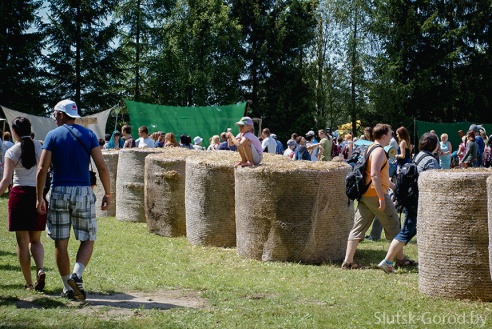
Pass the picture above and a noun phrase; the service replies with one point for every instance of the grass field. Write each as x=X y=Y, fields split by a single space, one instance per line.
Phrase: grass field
x=184 y=286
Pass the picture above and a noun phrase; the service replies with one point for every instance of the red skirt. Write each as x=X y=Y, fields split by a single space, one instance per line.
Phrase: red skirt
x=23 y=215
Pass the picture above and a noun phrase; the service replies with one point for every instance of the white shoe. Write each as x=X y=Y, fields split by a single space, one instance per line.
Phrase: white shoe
x=385 y=267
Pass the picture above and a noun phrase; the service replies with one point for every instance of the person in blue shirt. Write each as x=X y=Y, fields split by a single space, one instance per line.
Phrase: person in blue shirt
x=280 y=147
x=69 y=149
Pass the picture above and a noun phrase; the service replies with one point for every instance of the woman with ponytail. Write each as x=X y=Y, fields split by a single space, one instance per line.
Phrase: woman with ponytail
x=21 y=162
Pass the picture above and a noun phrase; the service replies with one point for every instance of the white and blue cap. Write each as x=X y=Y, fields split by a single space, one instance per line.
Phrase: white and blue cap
x=68 y=107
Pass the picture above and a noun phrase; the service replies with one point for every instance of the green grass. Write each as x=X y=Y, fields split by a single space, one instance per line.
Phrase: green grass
x=237 y=292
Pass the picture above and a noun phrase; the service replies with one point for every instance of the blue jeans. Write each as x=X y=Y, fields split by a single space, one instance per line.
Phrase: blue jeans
x=409 y=229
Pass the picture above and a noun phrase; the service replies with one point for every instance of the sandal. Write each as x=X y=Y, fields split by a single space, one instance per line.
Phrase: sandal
x=247 y=164
x=405 y=262
x=28 y=287
x=237 y=164
x=40 y=280
x=350 y=266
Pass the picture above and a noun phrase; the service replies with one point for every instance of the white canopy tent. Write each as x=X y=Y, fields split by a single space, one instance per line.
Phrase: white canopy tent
x=42 y=125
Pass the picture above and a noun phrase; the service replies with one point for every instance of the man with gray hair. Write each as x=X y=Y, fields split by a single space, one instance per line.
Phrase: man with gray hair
x=72 y=202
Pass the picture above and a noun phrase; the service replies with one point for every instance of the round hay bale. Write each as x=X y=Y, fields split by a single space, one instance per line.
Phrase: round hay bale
x=452 y=234
x=489 y=211
x=209 y=199
x=130 y=184
x=165 y=192
x=111 y=159
x=293 y=211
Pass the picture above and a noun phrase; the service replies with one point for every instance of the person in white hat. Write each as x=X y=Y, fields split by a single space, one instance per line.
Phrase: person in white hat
x=197 y=141
x=72 y=202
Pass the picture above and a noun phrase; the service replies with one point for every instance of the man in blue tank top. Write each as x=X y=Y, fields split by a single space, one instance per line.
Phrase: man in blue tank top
x=71 y=204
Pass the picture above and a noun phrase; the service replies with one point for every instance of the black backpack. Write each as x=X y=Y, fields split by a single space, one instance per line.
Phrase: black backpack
x=406 y=192
x=355 y=181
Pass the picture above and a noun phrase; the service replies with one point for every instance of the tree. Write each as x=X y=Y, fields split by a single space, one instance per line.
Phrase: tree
x=437 y=54
x=81 y=61
x=197 y=61
x=276 y=39
x=21 y=85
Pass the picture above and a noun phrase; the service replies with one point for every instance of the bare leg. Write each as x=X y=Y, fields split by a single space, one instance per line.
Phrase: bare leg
x=85 y=252
x=37 y=249
x=242 y=153
x=395 y=250
x=248 y=152
x=351 y=248
x=24 y=255
x=61 y=256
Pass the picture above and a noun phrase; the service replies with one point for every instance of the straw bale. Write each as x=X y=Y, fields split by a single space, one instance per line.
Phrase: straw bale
x=209 y=201
x=293 y=211
x=452 y=234
x=111 y=159
x=130 y=184
x=165 y=192
x=489 y=212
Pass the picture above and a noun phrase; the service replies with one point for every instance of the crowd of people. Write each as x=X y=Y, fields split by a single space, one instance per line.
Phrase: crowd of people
x=68 y=200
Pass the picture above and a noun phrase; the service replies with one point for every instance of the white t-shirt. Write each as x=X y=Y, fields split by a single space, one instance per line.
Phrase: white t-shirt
x=270 y=144
x=144 y=142
x=23 y=176
x=288 y=152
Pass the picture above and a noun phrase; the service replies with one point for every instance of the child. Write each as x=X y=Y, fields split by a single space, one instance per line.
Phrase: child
x=248 y=145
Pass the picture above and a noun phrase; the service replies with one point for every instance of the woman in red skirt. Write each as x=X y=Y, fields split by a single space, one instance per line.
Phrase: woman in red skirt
x=21 y=164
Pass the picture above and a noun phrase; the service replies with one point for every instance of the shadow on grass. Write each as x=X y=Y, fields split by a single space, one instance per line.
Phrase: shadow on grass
x=116 y=301
x=42 y=302
x=7 y=253
x=4 y=267
x=128 y=301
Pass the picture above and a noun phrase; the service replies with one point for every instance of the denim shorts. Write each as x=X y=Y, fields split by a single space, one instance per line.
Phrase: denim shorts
x=72 y=206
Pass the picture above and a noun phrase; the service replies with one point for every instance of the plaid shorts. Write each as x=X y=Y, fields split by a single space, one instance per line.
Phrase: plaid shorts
x=72 y=206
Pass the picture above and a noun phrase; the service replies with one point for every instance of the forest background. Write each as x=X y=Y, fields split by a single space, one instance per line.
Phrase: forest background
x=302 y=64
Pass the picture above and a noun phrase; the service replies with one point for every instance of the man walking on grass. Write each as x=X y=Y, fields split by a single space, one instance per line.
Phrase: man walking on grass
x=72 y=201
x=376 y=201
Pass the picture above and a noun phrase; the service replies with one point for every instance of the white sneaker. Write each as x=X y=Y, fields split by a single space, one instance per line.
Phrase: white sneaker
x=385 y=267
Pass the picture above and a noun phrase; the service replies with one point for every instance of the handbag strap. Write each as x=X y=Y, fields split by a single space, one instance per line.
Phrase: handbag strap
x=83 y=145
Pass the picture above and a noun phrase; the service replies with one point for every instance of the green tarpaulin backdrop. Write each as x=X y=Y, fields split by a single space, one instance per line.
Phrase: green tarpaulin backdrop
x=203 y=121
x=449 y=128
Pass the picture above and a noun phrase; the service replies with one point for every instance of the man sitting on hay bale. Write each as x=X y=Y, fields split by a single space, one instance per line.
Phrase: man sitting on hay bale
x=248 y=145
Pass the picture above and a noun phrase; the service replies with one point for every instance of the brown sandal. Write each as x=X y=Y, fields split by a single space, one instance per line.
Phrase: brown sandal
x=405 y=262
x=28 y=287
x=40 y=280
x=351 y=266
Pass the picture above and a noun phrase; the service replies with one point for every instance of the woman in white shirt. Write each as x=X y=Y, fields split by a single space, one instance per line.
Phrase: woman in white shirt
x=21 y=163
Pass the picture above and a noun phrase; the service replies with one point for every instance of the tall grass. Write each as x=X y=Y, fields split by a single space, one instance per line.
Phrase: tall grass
x=237 y=292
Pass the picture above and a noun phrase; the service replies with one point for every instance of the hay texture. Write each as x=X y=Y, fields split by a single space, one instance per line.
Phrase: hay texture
x=489 y=211
x=209 y=199
x=165 y=192
x=130 y=184
x=293 y=211
x=452 y=234
x=111 y=159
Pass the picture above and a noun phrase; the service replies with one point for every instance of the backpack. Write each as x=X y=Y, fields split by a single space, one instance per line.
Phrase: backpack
x=406 y=192
x=355 y=181
x=357 y=153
